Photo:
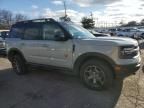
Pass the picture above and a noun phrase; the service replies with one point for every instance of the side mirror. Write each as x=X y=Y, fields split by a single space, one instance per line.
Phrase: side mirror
x=59 y=36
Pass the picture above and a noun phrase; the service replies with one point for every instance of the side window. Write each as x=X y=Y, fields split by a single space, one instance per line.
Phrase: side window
x=50 y=30
x=16 y=32
x=32 y=32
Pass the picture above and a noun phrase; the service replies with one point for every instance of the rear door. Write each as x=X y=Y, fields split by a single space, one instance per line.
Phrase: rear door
x=32 y=44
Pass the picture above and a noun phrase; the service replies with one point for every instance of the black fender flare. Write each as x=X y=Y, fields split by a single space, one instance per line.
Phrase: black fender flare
x=82 y=58
x=14 y=51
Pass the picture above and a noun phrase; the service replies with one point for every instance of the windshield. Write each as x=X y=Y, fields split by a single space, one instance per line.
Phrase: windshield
x=77 y=31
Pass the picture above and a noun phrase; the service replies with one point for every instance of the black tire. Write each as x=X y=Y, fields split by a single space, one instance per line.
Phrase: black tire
x=102 y=74
x=19 y=65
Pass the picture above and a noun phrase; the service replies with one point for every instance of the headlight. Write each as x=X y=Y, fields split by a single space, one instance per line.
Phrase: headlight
x=128 y=52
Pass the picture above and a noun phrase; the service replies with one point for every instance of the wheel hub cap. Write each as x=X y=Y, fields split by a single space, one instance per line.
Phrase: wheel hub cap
x=94 y=75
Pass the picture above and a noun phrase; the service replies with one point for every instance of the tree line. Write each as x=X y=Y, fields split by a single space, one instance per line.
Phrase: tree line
x=7 y=18
x=88 y=22
x=132 y=23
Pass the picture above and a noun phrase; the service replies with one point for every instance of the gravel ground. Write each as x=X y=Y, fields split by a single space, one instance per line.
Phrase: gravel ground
x=52 y=89
x=132 y=95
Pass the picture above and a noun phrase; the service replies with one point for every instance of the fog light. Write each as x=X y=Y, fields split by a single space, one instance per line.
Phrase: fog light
x=117 y=68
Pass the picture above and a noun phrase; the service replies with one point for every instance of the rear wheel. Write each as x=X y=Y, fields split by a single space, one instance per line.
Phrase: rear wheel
x=96 y=74
x=19 y=65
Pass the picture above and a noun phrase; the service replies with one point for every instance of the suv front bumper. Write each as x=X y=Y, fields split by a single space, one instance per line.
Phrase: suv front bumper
x=126 y=70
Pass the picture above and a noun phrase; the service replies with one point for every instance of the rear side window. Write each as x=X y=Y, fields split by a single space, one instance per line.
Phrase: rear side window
x=33 y=32
x=16 y=32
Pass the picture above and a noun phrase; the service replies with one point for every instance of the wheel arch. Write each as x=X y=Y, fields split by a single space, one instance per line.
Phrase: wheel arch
x=84 y=57
x=14 y=51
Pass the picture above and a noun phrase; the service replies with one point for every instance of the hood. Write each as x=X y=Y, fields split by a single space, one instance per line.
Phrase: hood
x=111 y=41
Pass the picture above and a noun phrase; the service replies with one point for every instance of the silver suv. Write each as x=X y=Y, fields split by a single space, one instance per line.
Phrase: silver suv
x=65 y=45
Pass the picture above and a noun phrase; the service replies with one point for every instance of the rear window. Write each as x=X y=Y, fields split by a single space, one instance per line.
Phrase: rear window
x=26 y=31
x=33 y=31
x=16 y=31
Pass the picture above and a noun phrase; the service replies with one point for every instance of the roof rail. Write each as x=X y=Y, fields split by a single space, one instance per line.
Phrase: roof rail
x=37 y=20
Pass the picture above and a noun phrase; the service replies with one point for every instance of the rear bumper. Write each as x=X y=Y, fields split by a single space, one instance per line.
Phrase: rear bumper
x=126 y=70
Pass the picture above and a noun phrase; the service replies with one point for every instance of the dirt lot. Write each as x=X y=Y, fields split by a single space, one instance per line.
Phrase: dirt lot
x=53 y=89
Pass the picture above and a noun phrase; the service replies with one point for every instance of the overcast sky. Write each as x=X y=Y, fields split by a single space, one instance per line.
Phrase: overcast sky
x=103 y=10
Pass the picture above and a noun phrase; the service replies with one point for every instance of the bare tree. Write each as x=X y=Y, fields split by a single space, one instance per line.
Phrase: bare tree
x=19 y=17
x=6 y=18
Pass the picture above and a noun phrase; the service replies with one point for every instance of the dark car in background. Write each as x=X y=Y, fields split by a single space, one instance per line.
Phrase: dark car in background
x=97 y=34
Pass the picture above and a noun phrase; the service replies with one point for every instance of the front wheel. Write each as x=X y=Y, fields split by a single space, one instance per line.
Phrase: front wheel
x=19 y=65
x=96 y=74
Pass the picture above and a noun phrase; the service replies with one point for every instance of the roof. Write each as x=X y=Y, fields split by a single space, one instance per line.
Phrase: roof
x=36 y=20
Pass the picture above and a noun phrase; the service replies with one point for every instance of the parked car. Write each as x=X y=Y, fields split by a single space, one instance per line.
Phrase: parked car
x=130 y=32
x=141 y=33
x=97 y=34
x=3 y=35
x=2 y=47
x=113 y=31
x=64 y=45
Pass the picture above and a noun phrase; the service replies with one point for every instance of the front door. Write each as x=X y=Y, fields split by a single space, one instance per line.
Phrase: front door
x=60 y=52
